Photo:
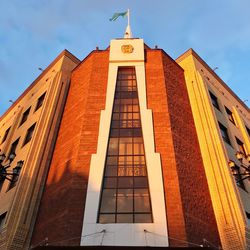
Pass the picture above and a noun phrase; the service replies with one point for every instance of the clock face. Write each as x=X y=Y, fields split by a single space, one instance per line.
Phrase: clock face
x=127 y=49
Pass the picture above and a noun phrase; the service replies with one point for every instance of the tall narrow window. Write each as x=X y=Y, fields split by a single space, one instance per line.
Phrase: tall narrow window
x=6 y=135
x=2 y=219
x=214 y=100
x=40 y=101
x=125 y=194
x=224 y=133
x=230 y=115
x=241 y=146
x=248 y=131
x=29 y=134
x=238 y=177
x=25 y=116
x=14 y=146
x=14 y=179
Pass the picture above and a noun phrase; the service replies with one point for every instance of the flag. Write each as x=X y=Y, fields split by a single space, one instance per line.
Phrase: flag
x=116 y=15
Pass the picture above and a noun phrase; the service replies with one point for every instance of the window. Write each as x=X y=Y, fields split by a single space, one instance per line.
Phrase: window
x=40 y=101
x=14 y=179
x=230 y=115
x=224 y=133
x=241 y=146
x=125 y=194
x=2 y=179
x=25 y=116
x=214 y=100
x=14 y=146
x=29 y=134
x=6 y=135
x=238 y=177
x=248 y=131
x=2 y=219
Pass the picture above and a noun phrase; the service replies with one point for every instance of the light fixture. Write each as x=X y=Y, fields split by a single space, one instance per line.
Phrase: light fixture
x=239 y=155
x=245 y=173
x=4 y=173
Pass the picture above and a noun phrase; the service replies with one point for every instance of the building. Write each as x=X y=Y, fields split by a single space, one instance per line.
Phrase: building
x=135 y=157
x=222 y=123
x=28 y=129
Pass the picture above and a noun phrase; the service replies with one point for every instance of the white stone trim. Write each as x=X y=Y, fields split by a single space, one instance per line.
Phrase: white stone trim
x=126 y=234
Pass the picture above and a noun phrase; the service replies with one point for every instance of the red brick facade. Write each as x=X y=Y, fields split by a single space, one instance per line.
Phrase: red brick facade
x=190 y=214
x=61 y=211
x=189 y=211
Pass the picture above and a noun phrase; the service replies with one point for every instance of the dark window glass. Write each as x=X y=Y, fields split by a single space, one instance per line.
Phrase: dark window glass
x=6 y=134
x=14 y=146
x=238 y=177
x=125 y=193
x=2 y=219
x=230 y=115
x=25 y=116
x=248 y=215
x=40 y=101
x=241 y=146
x=248 y=131
x=29 y=134
x=214 y=100
x=224 y=133
x=14 y=179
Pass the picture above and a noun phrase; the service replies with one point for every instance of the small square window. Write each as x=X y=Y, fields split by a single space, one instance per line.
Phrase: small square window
x=230 y=115
x=224 y=133
x=29 y=134
x=25 y=116
x=40 y=101
x=214 y=100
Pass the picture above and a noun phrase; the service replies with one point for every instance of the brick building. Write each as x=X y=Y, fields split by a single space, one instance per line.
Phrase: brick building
x=131 y=164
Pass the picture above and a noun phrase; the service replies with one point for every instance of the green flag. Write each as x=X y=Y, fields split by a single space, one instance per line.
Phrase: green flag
x=116 y=15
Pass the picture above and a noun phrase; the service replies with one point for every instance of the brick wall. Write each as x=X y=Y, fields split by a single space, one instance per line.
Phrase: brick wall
x=189 y=210
x=61 y=211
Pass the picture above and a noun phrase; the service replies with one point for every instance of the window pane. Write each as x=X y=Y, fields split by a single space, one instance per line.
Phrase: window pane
x=125 y=160
x=125 y=171
x=110 y=182
x=107 y=218
x=139 y=160
x=138 y=146
x=108 y=201
x=124 y=218
x=111 y=171
x=140 y=182
x=113 y=146
x=125 y=146
x=125 y=201
x=125 y=182
x=141 y=200
x=143 y=218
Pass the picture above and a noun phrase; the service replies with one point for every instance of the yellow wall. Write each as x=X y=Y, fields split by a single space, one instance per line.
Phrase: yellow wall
x=21 y=201
x=228 y=203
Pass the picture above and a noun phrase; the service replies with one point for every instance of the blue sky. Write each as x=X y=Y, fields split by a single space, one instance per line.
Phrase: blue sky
x=34 y=32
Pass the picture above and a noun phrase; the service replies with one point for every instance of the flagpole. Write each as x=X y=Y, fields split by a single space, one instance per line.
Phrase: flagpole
x=128 y=18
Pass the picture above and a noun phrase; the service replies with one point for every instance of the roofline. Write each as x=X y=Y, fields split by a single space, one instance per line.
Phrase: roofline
x=192 y=52
x=63 y=53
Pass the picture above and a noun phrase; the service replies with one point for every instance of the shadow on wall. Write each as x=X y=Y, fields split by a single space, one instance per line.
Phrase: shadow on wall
x=60 y=215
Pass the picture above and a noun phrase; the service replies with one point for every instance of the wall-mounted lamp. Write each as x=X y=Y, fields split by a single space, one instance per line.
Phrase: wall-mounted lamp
x=245 y=174
x=4 y=173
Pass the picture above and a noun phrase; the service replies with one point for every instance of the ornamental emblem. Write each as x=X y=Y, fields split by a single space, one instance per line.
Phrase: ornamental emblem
x=127 y=49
